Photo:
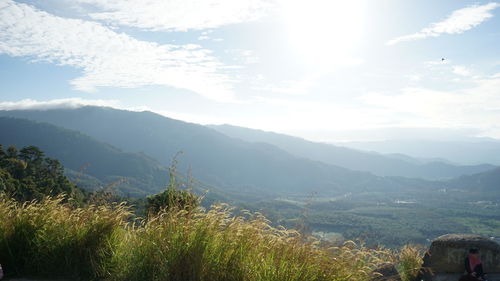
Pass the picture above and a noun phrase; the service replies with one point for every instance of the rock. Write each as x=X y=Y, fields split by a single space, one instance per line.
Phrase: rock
x=447 y=253
x=456 y=277
x=388 y=272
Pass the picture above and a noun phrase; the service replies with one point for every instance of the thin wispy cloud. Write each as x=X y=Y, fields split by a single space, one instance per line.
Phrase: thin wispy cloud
x=243 y=56
x=461 y=70
x=108 y=58
x=476 y=107
x=458 y=22
x=76 y=102
x=315 y=115
x=30 y=104
x=290 y=87
x=177 y=15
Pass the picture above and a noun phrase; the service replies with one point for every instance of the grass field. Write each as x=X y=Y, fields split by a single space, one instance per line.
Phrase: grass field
x=55 y=239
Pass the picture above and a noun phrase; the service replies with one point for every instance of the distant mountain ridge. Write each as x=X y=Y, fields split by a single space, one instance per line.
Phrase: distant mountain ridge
x=485 y=182
x=382 y=165
x=235 y=165
x=88 y=160
x=468 y=151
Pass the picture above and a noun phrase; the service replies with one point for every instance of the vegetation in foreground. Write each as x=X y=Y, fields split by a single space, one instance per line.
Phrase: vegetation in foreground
x=52 y=238
x=47 y=232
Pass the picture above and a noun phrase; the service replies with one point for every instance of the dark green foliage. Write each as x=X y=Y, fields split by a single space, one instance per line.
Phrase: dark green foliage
x=29 y=175
x=171 y=198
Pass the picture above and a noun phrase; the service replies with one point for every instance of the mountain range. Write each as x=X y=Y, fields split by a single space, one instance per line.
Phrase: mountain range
x=87 y=161
x=378 y=164
x=137 y=146
x=470 y=151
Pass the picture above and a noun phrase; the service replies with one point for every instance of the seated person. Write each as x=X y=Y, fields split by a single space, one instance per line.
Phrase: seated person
x=474 y=267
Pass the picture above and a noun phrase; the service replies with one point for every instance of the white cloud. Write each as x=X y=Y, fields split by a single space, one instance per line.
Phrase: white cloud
x=108 y=58
x=72 y=103
x=243 y=56
x=197 y=118
x=290 y=87
x=474 y=107
x=414 y=77
x=459 y=21
x=303 y=114
x=439 y=62
x=178 y=15
x=461 y=70
x=28 y=104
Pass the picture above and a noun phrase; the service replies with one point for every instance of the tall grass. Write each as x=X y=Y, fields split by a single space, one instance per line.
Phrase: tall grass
x=51 y=238
x=54 y=239
x=215 y=245
x=410 y=260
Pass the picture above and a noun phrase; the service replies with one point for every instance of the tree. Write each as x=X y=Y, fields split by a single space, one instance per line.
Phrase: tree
x=11 y=152
x=31 y=154
x=2 y=153
x=26 y=175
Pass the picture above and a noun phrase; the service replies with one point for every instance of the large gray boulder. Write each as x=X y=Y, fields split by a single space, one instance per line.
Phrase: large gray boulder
x=447 y=253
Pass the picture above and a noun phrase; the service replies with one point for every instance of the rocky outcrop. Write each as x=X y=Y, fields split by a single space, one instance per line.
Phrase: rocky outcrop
x=447 y=253
x=386 y=272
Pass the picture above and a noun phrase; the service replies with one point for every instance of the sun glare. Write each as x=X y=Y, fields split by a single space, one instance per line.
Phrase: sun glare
x=324 y=33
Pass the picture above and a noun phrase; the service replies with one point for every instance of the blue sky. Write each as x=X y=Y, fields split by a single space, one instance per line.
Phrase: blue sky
x=323 y=70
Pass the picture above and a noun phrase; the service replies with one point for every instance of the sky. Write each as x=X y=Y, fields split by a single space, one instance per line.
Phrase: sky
x=323 y=70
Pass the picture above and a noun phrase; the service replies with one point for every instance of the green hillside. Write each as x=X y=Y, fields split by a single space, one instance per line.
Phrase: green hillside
x=486 y=182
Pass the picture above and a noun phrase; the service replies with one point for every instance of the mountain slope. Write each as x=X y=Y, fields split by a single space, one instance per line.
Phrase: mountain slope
x=213 y=157
x=487 y=182
x=139 y=175
x=468 y=151
x=378 y=164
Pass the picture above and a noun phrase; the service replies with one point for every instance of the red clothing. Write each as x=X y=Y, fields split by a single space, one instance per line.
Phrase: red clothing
x=474 y=261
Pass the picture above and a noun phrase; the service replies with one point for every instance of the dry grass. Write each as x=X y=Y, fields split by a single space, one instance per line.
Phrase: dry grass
x=51 y=238
x=54 y=239
x=410 y=260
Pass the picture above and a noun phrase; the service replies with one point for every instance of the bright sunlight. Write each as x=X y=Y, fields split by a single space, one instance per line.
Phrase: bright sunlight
x=325 y=33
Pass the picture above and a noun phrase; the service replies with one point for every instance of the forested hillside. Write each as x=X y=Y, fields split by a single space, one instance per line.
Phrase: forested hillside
x=241 y=167
x=484 y=183
x=382 y=165
x=293 y=191
x=134 y=174
x=26 y=174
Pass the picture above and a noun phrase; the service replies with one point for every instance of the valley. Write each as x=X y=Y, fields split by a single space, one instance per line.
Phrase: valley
x=266 y=172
